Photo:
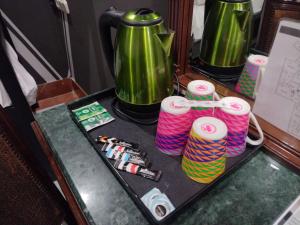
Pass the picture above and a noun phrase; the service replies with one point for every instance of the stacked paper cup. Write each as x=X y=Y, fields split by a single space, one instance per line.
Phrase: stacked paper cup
x=174 y=124
x=204 y=156
x=200 y=90
x=236 y=116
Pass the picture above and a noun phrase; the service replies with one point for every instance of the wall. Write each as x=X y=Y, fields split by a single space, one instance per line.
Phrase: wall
x=37 y=33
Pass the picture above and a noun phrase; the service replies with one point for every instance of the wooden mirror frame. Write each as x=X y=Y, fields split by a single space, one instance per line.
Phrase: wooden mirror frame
x=283 y=145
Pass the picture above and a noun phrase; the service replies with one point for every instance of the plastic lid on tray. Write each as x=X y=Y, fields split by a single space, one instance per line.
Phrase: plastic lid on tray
x=210 y=128
x=169 y=105
x=235 y=106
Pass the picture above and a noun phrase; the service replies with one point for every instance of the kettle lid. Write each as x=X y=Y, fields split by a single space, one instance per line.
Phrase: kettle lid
x=141 y=17
x=236 y=1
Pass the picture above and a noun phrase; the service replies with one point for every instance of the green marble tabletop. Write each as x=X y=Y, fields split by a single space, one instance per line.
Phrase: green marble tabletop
x=255 y=194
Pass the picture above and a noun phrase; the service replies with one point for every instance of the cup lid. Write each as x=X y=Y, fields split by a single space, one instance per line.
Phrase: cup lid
x=210 y=128
x=235 y=106
x=168 y=105
x=200 y=87
x=259 y=60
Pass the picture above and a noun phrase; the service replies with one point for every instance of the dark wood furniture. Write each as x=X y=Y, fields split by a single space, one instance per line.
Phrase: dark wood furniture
x=277 y=141
x=273 y=11
x=26 y=195
x=57 y=92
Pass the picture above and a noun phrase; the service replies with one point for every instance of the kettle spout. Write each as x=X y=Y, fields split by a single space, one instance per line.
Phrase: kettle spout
x=242 y=16
x=165 y=40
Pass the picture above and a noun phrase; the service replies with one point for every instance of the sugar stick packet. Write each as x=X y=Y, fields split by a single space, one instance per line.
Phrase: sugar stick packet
x=115 y=154
x=118 y=141
x=133 y=151
x=138 y=170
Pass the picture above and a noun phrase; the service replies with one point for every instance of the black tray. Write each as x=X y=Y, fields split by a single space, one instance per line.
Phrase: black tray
x=180 y=189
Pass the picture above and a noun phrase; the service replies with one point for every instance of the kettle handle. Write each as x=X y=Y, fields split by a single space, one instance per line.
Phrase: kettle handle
x=110 y=18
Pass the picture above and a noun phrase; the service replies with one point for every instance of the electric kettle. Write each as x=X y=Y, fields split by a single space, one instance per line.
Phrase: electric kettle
x=227 y=35
x=141 y=59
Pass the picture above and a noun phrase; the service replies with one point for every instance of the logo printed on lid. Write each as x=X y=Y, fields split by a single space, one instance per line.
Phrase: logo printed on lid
x=236 y=106
x=260 y=61
x=201 y=87
x=174 y=106
x=208 y=128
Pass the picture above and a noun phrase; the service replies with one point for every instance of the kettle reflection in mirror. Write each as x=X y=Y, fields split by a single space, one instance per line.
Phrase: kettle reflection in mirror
x=226 y=37
x=141 y=60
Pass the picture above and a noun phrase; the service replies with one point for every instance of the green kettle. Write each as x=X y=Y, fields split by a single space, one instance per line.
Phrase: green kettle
x=141 y=59
x=227 y=35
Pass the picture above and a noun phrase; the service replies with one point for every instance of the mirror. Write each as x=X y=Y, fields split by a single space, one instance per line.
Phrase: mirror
x=283 y=145
x=200 y=15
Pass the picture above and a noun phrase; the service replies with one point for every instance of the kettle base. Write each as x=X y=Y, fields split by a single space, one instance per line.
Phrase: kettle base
x=218 y=73
x=143 y=114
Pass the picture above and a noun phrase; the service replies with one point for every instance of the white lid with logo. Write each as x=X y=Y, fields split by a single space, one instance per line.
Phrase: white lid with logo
x=200 y=87
x=259 y=60
x=168 y=105
x=210 y=128
x=235 y=106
